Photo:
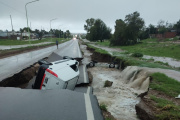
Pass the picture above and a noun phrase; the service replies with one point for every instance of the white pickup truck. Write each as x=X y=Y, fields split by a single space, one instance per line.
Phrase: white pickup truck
x=62 y=74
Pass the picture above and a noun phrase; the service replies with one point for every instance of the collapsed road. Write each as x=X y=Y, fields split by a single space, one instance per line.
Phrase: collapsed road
x=63 y=104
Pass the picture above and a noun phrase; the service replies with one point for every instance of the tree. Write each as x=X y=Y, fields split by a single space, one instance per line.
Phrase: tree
x=127 y=31
x=26 y=29
x=68 y=33
x=177 y=27
x=161 y=27
x=152 y=29
x=97 y=30
x=144 y=33
x=134 y=25
x=119 y=34
x=89 y=23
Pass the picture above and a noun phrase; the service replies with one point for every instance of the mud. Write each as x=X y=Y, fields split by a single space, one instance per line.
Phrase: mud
x=21 y=78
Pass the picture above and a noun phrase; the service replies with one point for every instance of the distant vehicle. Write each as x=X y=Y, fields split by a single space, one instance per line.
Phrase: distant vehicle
x=62 y=74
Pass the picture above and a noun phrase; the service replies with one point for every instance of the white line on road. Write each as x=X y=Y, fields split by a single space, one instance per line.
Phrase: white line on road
x=88 y=90
x=89 y=110
x=84 y=70
x=79 y=50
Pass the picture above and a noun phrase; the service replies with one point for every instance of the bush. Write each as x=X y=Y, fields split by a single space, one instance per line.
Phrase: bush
x=137 y=55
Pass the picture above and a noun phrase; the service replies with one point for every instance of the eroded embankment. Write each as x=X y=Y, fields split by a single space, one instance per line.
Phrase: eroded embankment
x=130 y=97
x=105 y=57
x=21 y=78
x=122 y=96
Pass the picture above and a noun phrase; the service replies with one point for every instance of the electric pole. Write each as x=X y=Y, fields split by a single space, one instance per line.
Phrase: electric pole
x=11 y=24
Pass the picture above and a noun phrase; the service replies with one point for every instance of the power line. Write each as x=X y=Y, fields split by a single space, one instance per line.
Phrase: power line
x=12 y=7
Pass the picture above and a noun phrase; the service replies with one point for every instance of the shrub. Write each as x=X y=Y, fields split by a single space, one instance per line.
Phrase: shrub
x=137 y=55
x=103 y=107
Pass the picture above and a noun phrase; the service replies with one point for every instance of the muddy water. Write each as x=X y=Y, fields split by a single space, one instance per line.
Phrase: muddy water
x=119 y=98
x=86 y=54
x=172 y=62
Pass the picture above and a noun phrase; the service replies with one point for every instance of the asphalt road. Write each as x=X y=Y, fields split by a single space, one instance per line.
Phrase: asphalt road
x=29 y=104
x=14 y=64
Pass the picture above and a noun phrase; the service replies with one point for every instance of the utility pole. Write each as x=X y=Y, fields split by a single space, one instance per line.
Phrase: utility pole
x=27 y=16
x=30 y=26
x=11 y=24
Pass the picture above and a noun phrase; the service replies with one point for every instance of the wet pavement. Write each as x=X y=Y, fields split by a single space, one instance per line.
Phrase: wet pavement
x=6 y=47
x=14 y=64
x=28 y=104
x=64 y=104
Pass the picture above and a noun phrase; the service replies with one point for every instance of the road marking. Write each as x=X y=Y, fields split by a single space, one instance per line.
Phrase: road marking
x=88 y=90
x=78 y=49
x=85 y=78
x=89 y=110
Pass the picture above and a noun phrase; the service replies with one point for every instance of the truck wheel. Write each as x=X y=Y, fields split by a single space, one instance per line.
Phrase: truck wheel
x=91 y=64
x=111 y=65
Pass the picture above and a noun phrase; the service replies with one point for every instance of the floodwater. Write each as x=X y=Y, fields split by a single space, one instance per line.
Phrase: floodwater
x=119 y=98
x=172 y=62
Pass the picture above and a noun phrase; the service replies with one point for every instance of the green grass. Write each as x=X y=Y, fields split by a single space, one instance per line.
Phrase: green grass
x=105 y=43
x=165 y=84
x=160 y=102
x=103 y=107
x=99 y=50
x=155 y=49
x=131 y=61
x=22 y=42
x=151 y=47
x=168 y=110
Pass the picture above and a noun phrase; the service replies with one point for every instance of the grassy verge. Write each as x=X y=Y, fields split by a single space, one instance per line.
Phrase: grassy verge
x=151 y=47
x=167 y=109
x=6 y=53
x=167 y=85
x=99 y=50
x=129 y=60
x=22 y=42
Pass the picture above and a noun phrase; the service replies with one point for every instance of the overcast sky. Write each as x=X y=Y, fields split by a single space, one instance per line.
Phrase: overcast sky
x=71 y=14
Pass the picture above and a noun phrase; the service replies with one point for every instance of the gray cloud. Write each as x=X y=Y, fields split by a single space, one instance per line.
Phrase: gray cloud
x=73 y=13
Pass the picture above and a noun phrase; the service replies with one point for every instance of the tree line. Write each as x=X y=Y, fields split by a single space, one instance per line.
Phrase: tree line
x=127 y=31
x=56 y=32
x=97 y=30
